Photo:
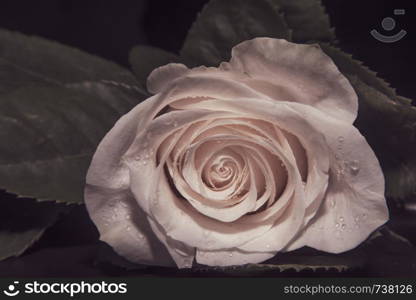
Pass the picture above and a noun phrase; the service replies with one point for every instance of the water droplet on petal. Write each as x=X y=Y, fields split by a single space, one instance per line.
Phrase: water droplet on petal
x=356 y=219
x=341 y=219
x=267 y=246
x=230 y=255
x=333 y=203
x=354 y=167
x=343 y=226
x=336 y=225
x=128 y=228
x=341 y=139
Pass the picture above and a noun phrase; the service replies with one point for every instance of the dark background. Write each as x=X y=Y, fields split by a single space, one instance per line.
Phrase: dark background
x=110 y=28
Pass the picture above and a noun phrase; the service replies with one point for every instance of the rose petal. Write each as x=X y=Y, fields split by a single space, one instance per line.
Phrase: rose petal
x=354 y=205
x=162 y=76
x=123 y=225
x=294 y=72
x=107 y=168
x=181 y=254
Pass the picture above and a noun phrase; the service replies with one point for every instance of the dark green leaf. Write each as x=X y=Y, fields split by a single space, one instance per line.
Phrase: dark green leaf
x=307 y=20
x=29 y=60
x=23 y=221
x=223 y=24
x=56 y=104
x=144 y=59
x=388 y=122
x=51 y=135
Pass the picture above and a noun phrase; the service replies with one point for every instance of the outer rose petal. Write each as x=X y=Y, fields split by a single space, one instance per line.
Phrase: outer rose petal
x=124 y=226
x=107 y=190
x=354 y=205
x=275 y=68
x=303 y=71
x=106 y=168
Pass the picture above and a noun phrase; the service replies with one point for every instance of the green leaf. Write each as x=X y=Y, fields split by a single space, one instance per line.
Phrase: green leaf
x=144 y=59
x=307 y=20
x=29 y=60
x=52 y=134
x=23 y=221
x=388 y=122
x=223 y=24
x=56 y=104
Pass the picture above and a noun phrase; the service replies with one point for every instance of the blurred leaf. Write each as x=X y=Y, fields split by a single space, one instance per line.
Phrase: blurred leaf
x=388 y=122
x=144 y=59
x=223 y=24
x=56 y=104
x=307 y=19
x=23 y=221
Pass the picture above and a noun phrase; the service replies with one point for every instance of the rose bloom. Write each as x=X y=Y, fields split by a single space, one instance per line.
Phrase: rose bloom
x=231 y=165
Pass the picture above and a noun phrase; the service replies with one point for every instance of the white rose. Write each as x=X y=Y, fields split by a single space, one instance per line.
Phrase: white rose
x=231 y=165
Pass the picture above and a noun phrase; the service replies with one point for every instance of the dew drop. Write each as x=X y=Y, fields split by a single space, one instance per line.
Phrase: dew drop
x=343 y=226
x=354 y=167
x=140 y=236
x=341 y=219
x=356 y=219
x=128 y=228
x=230 y=255
x=341 y=139
x=267 y=246
x=336 y=225
x=333 y=203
